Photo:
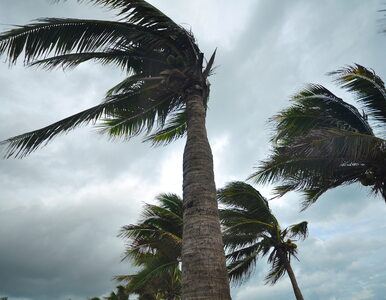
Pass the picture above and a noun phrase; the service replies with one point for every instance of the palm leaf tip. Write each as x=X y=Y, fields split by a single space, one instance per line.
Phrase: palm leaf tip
x=368 y=88
x=299 y=230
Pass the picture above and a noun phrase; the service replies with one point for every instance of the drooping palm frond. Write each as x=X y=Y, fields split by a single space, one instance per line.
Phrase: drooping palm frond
x=299 y=230
x=367 y=87
x=174 y=128
x=277 y=270
x=240 y=270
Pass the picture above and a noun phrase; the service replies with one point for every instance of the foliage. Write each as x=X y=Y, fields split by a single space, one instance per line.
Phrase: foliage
x=252 y=231
x=154 y=245
x=322 y=142
x=161 y=59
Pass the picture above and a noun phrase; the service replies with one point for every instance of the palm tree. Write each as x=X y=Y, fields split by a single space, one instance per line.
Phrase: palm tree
x=251 y=230
x=121 y=294
x=322 y=142
x=164 y=97
x=154 y=245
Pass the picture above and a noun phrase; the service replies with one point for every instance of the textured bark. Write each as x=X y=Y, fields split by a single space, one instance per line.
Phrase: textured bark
x=291 y=275
x=204 y=274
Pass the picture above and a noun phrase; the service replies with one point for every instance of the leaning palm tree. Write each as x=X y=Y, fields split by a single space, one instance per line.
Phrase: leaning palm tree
x=154 y=245
x=322 y=142
x=251 y=230
x=164 y=97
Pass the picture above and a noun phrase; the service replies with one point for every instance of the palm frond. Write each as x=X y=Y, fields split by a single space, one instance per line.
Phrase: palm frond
x=241 y=195
x=341 y=145
x=299 y=230
x=368 y=88
x=64 y=35
x=240 y=270
x=277 y=270
x=174 y=128
x=238 y=241
x=138 y=117
x=172 y=203
x=144 y=14
x=131 y=59
x=317 y=108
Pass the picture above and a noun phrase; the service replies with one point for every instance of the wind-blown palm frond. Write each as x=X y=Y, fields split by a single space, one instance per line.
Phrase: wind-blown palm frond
x=174 y=128
x=277 y=270
x=299 y=230
x=154 y=245
x=322 y=142
x=317 y=108
x=140 y=115
x=61 y=36
x=251 y=231
x=367 y=87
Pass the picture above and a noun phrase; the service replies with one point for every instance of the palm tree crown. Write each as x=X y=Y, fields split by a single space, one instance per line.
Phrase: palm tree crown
x=251 y=230
x=154 y=245
x=322 y=142
x=161 y=58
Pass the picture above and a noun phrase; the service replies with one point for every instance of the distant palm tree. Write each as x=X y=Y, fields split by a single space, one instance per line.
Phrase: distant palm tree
x=121 y=294
x=154 y=245
x=322 y=142
x=164 y=96
x=251 y=230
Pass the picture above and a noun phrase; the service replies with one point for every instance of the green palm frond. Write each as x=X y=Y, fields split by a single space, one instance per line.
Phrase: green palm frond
x=144 y=14
x=128 y=60
x=238 y=240
x=154 y=245
x=62 y=36
x=368 y=88
x=299 y=230
x=174 y=128
x=343 y=146
x=152 y=111
x=138 y=117
x=317 y=108
x=277 y=270
x=243 y=196
x=239 y=271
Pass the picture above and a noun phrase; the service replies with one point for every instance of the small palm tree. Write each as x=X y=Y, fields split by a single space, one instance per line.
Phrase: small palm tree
x=251 y=230
x=164 y=97
x=154 y=245
x=322 y=142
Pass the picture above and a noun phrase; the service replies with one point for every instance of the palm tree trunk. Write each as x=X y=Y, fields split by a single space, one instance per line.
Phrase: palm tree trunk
x=204 y=274
x=291 y=274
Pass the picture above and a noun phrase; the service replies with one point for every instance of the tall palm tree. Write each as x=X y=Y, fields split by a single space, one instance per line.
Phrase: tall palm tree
x=154 y=245
x=251 y=230
x=164 y=97
x=322 y=142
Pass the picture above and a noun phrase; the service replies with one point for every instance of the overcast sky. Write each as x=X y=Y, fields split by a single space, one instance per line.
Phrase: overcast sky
x=62 y=207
